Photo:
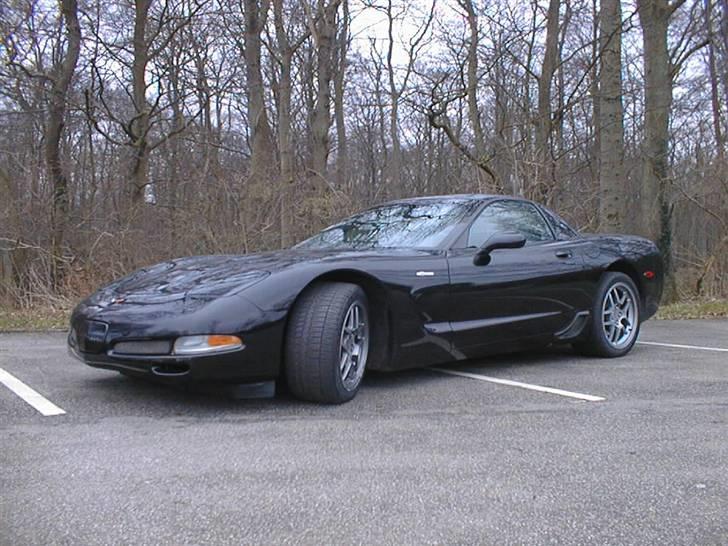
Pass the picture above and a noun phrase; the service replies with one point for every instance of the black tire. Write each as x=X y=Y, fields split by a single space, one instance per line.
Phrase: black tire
x=595 y=341
x=314 y=339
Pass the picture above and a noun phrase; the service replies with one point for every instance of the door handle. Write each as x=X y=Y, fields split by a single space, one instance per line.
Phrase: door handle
x=563 y=254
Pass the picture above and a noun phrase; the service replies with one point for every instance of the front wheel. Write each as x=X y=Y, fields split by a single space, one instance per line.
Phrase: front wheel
x=615 y=322
x=327 y=343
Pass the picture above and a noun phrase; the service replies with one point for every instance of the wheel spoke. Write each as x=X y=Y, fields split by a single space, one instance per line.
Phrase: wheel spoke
x=622 y=298
x=345 y=365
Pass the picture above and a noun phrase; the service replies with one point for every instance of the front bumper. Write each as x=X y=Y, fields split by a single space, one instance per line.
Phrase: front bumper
x=250 y=363
x=96 y=331
x=221 y=367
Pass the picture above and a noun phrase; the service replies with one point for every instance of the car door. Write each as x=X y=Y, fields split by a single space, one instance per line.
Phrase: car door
x=522 y=294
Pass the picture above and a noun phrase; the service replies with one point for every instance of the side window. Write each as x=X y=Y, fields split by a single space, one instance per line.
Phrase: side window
x=518 y=216
x=562 y=230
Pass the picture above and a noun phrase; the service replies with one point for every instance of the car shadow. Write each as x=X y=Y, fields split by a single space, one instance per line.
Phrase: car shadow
x=149 y=394
x=117 y=388
x=509 y=361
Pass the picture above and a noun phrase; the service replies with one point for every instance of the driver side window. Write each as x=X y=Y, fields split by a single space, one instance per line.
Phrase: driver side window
x=515 y=216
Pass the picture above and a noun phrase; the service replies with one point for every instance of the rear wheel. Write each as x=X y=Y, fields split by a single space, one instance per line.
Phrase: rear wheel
x=615 y=322
x=327 y=343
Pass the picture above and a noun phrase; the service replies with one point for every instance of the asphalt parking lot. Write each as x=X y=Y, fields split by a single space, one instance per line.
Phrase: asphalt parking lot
x=418 y=457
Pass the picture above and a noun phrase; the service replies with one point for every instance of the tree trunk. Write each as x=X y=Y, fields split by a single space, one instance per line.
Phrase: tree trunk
x=176 y=149
x=543 y=126
x=54 y=131
x=724 y=45
x=612 y=188
x=394 y=185
x=472 y=93
x=140 y=125
x=656 y=208
x=324 y=33
x=472 y=81
x=713 y=73
x=262 y=150
x=285 y=142
x=503 y=120
x=594 y=92
x=342 y=151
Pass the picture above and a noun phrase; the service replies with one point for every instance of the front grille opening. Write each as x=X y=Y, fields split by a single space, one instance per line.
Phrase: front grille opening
x=149 y=347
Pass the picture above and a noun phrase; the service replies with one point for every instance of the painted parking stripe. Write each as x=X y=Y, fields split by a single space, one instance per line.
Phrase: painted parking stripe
x=539 y=388
x=32 y=397
x=677 y=346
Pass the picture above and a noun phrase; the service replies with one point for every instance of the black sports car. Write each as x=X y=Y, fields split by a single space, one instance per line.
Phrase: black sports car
x=407 y=284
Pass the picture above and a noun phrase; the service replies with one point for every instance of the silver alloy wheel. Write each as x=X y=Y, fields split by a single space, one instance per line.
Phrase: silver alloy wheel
x=620 y=315
x=353 y=346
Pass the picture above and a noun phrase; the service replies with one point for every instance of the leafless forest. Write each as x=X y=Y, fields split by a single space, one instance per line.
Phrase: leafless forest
x=133 y=131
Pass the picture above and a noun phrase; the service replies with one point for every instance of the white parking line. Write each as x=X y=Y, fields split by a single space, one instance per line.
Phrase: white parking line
x=677 y=346
x=539 y=388
x=32 y=397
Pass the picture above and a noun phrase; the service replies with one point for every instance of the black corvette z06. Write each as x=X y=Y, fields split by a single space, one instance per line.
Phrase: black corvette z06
x=407 y=284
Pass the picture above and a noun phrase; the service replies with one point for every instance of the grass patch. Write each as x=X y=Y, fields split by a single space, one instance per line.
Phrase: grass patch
x=693 y=310
x=19 y=320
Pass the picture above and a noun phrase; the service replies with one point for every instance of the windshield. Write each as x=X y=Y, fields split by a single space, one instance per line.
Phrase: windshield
x=399 y=225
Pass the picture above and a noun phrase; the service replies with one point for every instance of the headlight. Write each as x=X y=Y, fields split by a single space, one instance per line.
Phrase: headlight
x=193 y=345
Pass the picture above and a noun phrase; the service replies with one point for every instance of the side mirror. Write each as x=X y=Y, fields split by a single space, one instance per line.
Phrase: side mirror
x=502 y=239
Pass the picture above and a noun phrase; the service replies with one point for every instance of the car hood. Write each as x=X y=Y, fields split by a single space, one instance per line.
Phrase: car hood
x=209 y=277
x=197 y=276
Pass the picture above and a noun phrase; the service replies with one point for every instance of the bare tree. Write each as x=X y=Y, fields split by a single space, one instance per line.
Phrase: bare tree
x=441 y=99
x=661 y=66
x=286 y=49
x=152 y=34
x=261 y=135
x=322 y=24
x=724 y=36
x=343 y=40
x=713 y=45
x=473 y=78
x=139 y=124
x=397 y=85
x=61 y=82
x=544 y=121
x=612 y=188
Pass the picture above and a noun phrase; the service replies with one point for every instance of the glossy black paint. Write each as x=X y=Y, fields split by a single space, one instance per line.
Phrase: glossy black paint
x=428 y=306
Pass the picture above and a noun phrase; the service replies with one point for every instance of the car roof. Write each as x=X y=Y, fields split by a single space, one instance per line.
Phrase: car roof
x=454 y=197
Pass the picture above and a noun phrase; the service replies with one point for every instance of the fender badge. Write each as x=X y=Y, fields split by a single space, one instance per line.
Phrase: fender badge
x=425 y=273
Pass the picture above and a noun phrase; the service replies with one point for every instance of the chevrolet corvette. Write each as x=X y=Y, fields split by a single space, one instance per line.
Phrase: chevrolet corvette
x=410 y=283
